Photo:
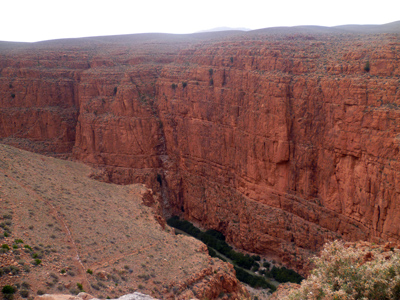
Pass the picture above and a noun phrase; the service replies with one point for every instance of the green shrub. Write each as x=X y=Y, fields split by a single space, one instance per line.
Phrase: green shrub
x=80 y=286
x=266 y=265
x=341 y=272
x=253 y=280
x=28 y=247
x=18 y=241
x=285 y=275
x=367 y=67
x=5 y=247
x=89 y=271
x=40 y=292
x=37 y=261
x=8 y=289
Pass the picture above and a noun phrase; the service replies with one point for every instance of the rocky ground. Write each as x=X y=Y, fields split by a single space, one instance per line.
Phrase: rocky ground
x=63 y=232
x=280 y=139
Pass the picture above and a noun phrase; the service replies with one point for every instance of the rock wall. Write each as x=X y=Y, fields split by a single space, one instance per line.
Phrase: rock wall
x=285 y=145
x=282 y=142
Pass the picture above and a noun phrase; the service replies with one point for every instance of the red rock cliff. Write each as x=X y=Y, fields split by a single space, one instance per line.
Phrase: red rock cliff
x=280 y=142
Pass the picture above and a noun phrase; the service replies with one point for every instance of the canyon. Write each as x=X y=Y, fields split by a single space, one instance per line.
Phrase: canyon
x=281 y=140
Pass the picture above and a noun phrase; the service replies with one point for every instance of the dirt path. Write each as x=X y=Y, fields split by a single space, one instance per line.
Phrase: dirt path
x=55 y=213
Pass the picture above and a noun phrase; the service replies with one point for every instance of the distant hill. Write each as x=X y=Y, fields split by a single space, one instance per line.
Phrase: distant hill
x=225 y=29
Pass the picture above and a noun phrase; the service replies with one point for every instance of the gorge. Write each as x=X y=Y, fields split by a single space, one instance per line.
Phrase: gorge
x=280 y=140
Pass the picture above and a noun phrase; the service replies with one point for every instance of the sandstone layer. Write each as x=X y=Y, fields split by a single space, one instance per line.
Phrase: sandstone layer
x=281 y=142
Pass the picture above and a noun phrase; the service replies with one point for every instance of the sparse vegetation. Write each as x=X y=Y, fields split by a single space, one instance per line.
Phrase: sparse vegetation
x=343 y=272
x=184 y=84
x=80 y=286
x=89 y=271
x=28 y=247
x=173 y=86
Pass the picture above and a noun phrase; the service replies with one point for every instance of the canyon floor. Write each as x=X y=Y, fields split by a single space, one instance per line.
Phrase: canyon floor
x=94 y=236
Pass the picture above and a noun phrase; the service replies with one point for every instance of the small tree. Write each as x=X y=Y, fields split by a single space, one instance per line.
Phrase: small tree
x=367 y=67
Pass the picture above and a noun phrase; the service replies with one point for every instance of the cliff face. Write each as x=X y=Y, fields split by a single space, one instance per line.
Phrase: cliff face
x=280 y=142
x=284 y=145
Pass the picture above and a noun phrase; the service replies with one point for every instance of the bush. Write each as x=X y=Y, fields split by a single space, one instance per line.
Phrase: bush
x=253 y=280
x=218 y=235
x=210 y=71
x=89 y=271
x=367 y=67
x=24 y=293
x=285 y=275
x=80 y=286
x=266 y=265
x=184 y=84
x=173 y=86
x=343 y=273
x=37 y=261
x=25 y=285
x=5 y=247
x=8 y=289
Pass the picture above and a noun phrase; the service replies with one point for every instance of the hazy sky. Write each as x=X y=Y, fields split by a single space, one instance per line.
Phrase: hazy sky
x=35 y=20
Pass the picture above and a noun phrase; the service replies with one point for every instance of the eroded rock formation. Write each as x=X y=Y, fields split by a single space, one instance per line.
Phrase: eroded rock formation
x=282 y=142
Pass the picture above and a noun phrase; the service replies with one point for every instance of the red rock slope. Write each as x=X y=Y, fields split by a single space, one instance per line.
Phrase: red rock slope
x=282 y=142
